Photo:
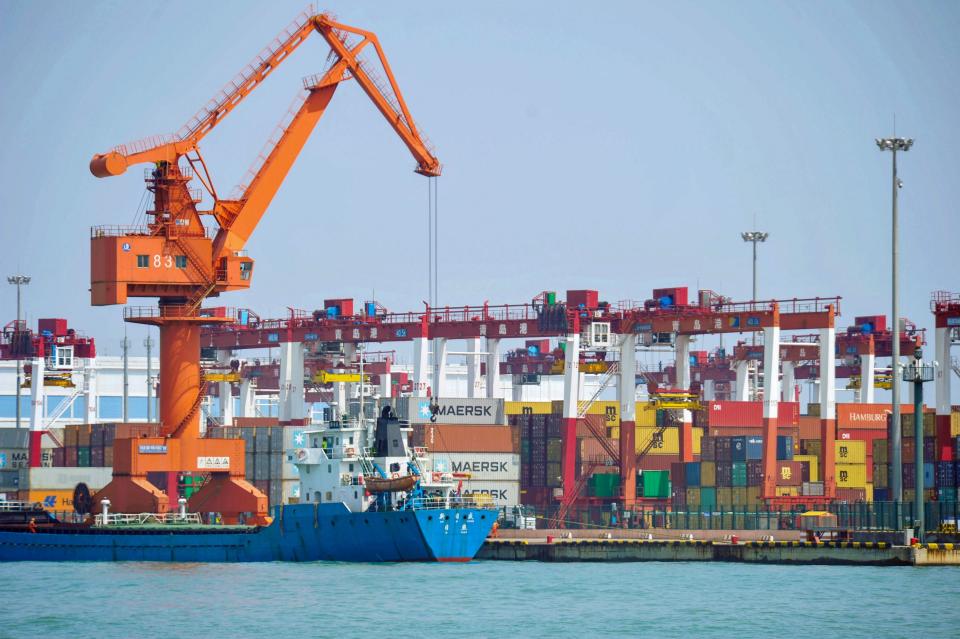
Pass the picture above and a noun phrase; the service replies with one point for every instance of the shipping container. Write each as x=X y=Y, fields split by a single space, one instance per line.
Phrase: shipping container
x=813 y=489
x=692 y=474
x=789 y=473
x=451 y=410
x=850 y=452
x=693 y=497
x=53 y=500
x=850 y=475
x=528 y=408
x=809 y=427
x=480 y=466
x=503 y=493
x=665 y=441
x=738 y=474
x=731 y=413
x=655 y=484
x=784 y=448
x=64 y=478
x=868 y=416
x=754 y=448
x=724 y=496
x=708 y=449
x=813 y=466
x=465 y=438
x=708 y=474
x=708 y=497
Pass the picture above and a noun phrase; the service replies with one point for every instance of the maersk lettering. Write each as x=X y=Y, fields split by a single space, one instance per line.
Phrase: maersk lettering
x=496 y=494
x=465 y=411
x=479 y=467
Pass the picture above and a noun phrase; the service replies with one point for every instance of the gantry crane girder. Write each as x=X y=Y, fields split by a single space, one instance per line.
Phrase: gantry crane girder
x=175 y=258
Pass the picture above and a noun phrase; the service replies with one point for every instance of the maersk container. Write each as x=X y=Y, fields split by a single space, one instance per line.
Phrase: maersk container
x=754 y=448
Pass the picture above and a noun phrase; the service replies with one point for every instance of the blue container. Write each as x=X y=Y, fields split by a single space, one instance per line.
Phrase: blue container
x=692 y=474
x=881 y=494
x=243 y=317
x=738 y=449
x=332 y=311
x=784 y=447
x=929 y=476
x=754 y=448
x=370 y=309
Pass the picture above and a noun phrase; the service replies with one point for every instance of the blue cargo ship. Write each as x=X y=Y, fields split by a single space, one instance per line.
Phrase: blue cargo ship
x=366 y=504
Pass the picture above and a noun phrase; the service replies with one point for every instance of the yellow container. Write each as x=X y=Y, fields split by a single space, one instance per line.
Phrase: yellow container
x=693 y=496
x=665 y=442
x=527 y=408
x=52 y=500
x=814 y=465
x=787 y=491
x=812 y=446
x=753 y=494
x=708 y=473
x=850 y=451
x=739 y=496
x=851 y=475
x=725 y=496
x=955 y=424
x=646 y=414
x=869 y=492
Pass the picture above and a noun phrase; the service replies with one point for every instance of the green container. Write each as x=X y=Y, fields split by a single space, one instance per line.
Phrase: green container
x=739 y=474
x=656 y=483
x=83 y=457
x=551 y=298
x=604 y=485
x=708 y=498
x=947 y=494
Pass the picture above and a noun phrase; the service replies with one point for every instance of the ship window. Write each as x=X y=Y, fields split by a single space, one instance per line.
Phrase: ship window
x=317 y=497
x=396 y=443
x=308 y=496
x=308 y=470
x=351 y=468
x=329 y=468
x=143 y=261
x=351 y=441
x=329 y=496
x=181 y=261
x=354 y=494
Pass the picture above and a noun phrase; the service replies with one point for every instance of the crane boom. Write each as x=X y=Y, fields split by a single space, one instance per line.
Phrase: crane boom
x=176 y=260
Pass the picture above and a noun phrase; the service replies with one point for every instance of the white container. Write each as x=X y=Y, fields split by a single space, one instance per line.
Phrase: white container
x=503 y=493
x=454 y=410
x=65 y=478
x=480 y=466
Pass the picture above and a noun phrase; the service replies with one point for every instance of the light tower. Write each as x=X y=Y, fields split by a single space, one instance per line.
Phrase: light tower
x=19 y=281
x=755 y=237
x=896 y=461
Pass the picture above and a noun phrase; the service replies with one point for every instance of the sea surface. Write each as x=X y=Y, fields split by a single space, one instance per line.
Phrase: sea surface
x=479 y=599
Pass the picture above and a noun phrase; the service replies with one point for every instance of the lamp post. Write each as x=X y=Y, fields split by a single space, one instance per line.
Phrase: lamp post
x=918 y=373
x=149 y=344
x=754 y=237
x=896 y=461
x=18 y=281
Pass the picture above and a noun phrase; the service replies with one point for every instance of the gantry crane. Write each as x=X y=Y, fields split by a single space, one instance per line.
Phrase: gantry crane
x=174 y=258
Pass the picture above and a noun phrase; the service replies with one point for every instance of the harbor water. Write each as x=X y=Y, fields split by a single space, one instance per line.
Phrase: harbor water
x=479 y=599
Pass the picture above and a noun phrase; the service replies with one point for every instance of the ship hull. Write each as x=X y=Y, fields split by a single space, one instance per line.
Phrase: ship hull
x=301 y=532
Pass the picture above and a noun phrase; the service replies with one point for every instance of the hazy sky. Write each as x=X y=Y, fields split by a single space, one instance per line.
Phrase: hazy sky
x=617 y=146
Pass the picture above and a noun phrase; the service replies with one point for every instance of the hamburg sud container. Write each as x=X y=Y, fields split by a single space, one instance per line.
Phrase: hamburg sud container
x=417 y=410
x=867 y=416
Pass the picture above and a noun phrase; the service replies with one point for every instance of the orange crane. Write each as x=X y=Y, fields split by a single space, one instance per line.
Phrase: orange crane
x=179 y=260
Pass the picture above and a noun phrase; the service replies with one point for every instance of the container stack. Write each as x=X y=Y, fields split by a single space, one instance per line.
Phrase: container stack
x=486 y=458
x=91 y=445
x=541 y=455
x=268 y=458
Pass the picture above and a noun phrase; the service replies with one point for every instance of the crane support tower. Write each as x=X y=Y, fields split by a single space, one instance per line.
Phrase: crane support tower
x=182 y=261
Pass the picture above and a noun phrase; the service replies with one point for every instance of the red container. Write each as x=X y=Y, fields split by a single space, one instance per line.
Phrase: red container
x=247 y=422
x=878 y=323
x=59 y=457
x=465 y=438
x=70 y=457
x=658 y=462
x=725 y=432
x=863 y=416
x=679 y=294
x=809 y=427
x=97 y=457
x=789 y=473
x=56 y=326
x=542 y=346
x=749 y=414
x=678 y=476
x=851 y=494
x=344 y=305
x=755 y=473
x=587 y=298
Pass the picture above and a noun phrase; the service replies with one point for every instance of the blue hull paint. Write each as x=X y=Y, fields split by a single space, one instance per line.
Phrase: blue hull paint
x=301 y=532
